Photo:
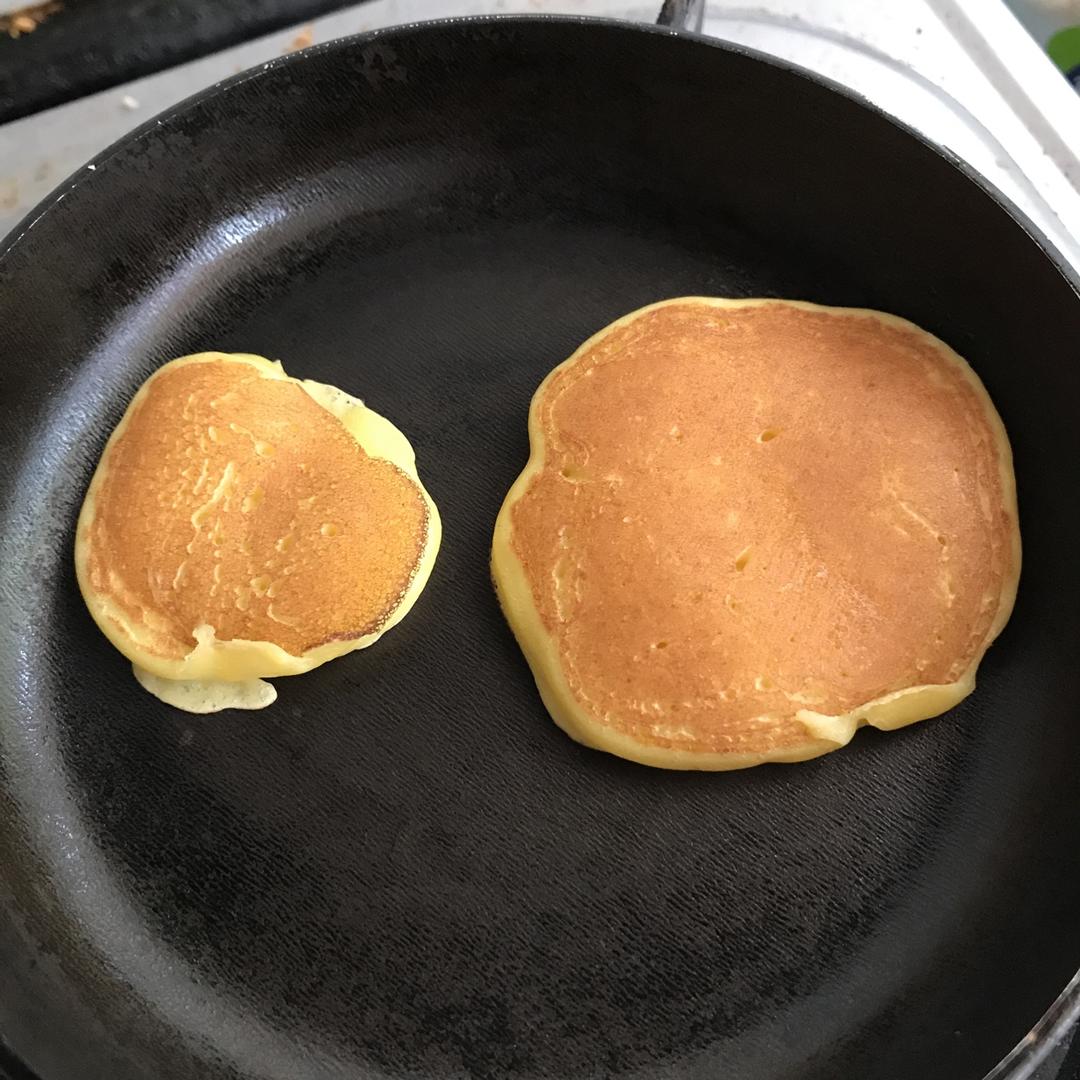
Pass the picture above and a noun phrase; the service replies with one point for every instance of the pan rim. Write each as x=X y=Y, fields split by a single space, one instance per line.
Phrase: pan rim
x=85 y=173
x=1063 y=1013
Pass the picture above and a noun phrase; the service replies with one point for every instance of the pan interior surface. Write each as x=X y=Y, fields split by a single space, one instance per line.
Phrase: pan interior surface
x=403 y=868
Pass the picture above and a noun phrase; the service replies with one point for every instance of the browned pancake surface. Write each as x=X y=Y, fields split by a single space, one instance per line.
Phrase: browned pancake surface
x=236 y=501
x=748 y=511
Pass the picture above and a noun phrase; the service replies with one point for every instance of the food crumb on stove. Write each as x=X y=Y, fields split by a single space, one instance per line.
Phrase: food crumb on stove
x=26 y=20
x=302 y=40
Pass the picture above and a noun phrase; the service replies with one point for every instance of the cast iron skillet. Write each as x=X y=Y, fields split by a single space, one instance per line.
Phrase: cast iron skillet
x=404 y=868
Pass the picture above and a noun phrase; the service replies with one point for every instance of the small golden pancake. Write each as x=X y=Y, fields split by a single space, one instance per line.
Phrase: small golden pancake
x=243 y=524
x=748 y=527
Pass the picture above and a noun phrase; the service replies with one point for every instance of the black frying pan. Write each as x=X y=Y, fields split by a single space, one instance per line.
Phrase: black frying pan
x=404 y=869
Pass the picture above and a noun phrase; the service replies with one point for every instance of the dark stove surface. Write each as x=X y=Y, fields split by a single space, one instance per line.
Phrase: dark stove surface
x=90 y=45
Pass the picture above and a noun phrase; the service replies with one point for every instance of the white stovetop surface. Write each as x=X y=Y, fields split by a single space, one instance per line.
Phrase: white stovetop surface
x=963 y=72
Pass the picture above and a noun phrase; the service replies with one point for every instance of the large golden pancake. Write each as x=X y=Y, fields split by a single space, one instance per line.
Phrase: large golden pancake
x=244 y=524
x=748 y=527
